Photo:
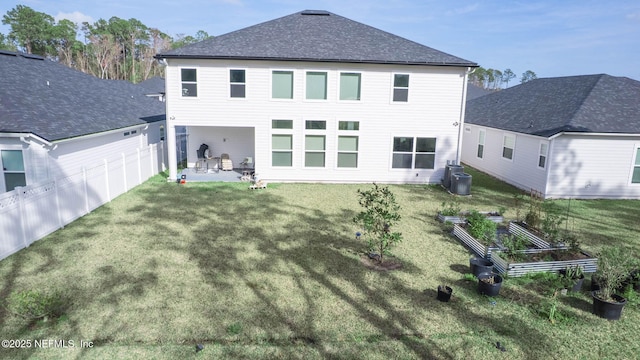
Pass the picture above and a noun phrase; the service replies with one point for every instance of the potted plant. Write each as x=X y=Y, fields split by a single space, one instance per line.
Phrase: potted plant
x=573 y=277
x=444 y=293
x=489 y=284
x=614 y=266
x=480 y=265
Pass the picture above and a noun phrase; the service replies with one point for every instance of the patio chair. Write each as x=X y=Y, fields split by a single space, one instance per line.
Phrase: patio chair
x=227 y=164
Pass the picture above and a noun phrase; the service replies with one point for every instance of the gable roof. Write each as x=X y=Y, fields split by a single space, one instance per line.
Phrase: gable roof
x=545 y=107
x=316 y=35
x=56 y=102
x=154 y=85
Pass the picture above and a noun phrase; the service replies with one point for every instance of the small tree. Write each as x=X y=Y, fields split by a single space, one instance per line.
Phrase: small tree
x=379 y=215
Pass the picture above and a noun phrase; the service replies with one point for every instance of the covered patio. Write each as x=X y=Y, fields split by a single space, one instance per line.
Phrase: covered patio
x=191 y=175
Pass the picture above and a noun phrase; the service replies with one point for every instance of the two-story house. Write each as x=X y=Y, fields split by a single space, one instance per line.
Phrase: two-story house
x=316 y=97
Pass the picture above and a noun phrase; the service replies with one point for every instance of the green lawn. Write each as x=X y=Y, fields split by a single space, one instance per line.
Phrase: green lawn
x=277 y=273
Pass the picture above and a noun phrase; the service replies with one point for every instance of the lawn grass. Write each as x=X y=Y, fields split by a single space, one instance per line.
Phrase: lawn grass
x=277 y=273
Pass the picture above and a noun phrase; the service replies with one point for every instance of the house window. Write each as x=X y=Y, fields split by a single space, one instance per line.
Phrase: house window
x=347 y=151
x=189 y=82
x=349 y=86
x=282 y=124
x=481 y=136
x=635 y=178
x=542 y=158
x=282 y=85
x=314 y=146
x=237 y=84
x=400 y=87
x=316 y=85
x=508 y=144
x=282 y=150
x=13 y=169
x=414 y=153
x=349 y=125
x=315 y=125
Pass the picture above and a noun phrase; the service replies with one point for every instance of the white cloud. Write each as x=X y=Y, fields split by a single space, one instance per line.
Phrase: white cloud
x=76 y=16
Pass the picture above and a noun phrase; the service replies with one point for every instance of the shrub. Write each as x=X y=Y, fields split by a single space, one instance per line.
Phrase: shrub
x=33 y=304
x=450 y=208
x=480 y=227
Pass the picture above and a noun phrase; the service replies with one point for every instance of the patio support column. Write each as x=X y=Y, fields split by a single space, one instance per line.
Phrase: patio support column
x=171 y=151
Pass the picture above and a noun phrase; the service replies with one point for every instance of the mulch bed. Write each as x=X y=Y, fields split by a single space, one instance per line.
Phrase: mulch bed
x=388 y=263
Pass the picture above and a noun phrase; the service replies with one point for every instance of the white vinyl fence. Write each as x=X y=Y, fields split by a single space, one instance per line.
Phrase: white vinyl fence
x=30 y=213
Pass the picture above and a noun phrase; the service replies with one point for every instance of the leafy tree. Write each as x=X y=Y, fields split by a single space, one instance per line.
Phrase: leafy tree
x=6 y=44
x=528 y=76
x=184 y=40
x=30 y=29
x=507 y=75
x=379 y=215
x=64 y=41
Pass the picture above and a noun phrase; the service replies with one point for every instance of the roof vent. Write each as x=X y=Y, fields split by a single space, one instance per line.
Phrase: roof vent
x=316 y=12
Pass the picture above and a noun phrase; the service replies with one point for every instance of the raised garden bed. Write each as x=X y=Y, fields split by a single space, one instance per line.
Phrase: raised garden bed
x=479 y=248
x=535 y=262
x=461 y=218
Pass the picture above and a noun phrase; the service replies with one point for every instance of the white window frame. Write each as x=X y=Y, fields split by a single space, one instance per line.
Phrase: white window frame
x=231 y=84
x=326 y=85
x=3 y=171
x=504 y=146
x=347 y=133
x=394 y=87
x=286 y=132
x=413 y=152
x=482 y=139
x=634 y=164
x=197 y=69
x=315 y=132
x=340 y=86
x=544 y=155
x=293 y=85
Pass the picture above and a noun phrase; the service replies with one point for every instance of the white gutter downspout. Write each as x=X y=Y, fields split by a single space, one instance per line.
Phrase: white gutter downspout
x=462 y=111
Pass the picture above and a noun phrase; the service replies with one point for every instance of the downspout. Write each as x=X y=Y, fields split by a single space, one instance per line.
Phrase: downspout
x=460 y=124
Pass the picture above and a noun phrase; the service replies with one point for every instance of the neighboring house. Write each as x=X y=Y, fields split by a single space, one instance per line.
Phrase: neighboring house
x=154 y=87
x=56 y=121
x=475 y=91
x=316 y=97
x=565 y=137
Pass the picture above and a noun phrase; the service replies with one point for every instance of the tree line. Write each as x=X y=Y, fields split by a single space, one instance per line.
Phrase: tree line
x=492 y=79
x=112 y=49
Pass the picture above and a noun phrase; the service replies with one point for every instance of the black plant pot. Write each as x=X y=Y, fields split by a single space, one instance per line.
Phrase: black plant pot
x=485 y=288
x=577 y=285
x=608 y=310
x=444 y=293
x=480 y=265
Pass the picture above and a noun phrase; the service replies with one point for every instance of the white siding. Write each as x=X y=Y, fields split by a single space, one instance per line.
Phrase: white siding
x=593 y=167
x=435 y=98
x=522 y=171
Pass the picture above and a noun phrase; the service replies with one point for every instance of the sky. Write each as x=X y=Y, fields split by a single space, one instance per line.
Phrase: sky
x=549 y=37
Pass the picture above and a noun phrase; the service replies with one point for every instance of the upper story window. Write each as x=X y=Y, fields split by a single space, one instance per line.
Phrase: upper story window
x=400 y=87
x=349 y=125
x=189 y=81
x=315 y=125
x=481 y=136
x=282 y=143
x=237 y=85
x=12 y=169
x=350 y=86
x=542 y=157
x=316 y=85
x=508 y=146
x=282 y=85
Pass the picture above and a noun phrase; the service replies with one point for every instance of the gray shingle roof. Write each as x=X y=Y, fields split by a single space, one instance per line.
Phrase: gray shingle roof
x=475 y=91
x=154 y=85
x=316 y=35
x=56 y=102
x=545 y=107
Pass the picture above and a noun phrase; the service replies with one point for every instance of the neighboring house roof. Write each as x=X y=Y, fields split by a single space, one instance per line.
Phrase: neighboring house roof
x=56 y=102
x=154 y=85
x=316 y=35
x=475 y=91
x=545 y=107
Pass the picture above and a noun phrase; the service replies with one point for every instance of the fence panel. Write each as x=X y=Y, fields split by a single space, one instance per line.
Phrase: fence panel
x=29 y=213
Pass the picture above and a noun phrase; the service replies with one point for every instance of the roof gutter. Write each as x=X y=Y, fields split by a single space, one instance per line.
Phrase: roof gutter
x=577 y=133
x=24 y=136
x=162 y=59
x=94 y=135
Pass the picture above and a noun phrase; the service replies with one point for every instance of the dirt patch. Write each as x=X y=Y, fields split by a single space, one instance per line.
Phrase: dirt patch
x=388 y=263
